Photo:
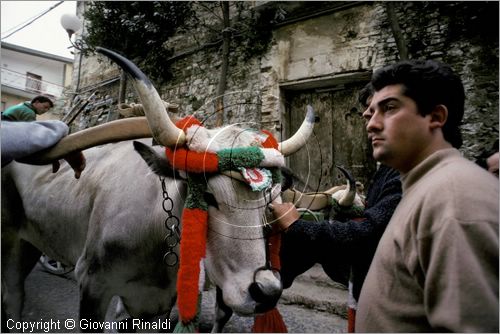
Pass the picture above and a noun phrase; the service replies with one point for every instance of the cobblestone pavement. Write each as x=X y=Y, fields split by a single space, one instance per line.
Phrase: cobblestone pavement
x=52 y=298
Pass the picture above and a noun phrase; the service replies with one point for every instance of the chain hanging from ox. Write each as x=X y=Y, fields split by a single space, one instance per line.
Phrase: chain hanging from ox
x=173 y=237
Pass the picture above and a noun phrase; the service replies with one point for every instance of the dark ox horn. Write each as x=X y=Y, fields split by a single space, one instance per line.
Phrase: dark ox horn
x=350 y=192
x=163 y=129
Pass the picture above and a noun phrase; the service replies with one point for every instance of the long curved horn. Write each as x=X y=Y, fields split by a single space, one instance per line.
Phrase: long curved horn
x=320 y=200
x=311 y=201
x=334 y=189
x=123 y=129
x=350 y=192
x=300 y=138
x=164 y=130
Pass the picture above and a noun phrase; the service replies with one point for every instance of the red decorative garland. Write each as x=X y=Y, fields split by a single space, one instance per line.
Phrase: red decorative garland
x=193 y=246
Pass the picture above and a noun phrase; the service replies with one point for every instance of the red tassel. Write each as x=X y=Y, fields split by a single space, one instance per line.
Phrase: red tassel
x=269 y=322
x=193 y=235
x=274 y=245
x=351 y=320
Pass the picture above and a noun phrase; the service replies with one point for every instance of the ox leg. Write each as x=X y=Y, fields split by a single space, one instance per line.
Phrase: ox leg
x=18 y=256
x=122 y=315
x=222 y=312
x=94 y=303
x=95 y=294
x=18 y=259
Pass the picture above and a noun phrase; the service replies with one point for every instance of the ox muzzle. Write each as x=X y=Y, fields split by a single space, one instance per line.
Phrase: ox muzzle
x=265 y=294
x=266 y=287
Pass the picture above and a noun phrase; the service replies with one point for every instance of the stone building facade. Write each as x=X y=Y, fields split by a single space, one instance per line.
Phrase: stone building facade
x=322 y=53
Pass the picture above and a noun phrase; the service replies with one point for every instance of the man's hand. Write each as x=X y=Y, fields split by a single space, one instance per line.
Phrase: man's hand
x=286 y=214
x=492 y=163
x=76 y=160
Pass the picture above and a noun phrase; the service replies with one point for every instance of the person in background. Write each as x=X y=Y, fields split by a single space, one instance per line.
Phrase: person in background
x=436 y=265
x=27 y=111
x=21 y=139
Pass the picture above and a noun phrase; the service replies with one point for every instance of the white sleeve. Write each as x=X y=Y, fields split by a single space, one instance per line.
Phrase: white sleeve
x=20 y=139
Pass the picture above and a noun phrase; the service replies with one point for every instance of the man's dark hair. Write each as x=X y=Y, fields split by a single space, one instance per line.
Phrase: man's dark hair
x=42 y=99
x=429 y=83
x=364 y=94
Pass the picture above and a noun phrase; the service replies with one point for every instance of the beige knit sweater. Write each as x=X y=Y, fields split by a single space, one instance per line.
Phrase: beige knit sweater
x=436 y=266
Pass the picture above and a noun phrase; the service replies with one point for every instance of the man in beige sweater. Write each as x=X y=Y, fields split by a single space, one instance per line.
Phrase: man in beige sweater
x=436 y=266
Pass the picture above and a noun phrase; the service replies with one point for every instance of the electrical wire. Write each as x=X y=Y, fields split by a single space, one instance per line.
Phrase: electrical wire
x=30 y=21
x=18 y=25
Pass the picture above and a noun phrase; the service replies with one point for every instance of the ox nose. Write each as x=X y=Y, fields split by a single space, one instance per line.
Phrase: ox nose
x=266 y=296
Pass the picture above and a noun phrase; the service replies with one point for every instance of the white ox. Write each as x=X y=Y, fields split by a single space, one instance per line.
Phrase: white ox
x=110 y=222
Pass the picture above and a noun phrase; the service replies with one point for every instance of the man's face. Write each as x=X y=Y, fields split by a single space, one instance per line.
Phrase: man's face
x=41 y=107
x=398 y=133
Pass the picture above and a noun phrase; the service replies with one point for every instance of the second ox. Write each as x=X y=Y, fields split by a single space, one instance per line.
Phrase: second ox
x=110 y=222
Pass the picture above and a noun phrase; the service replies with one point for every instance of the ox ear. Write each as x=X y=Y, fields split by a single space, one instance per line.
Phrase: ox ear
x=287 y=180
x=159 y=164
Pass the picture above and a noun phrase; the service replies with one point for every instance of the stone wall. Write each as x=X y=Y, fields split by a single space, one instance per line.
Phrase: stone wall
x=337 y=39
x=464 y=35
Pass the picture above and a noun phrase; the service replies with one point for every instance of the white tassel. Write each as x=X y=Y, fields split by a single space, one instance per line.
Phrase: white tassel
x=201 y=280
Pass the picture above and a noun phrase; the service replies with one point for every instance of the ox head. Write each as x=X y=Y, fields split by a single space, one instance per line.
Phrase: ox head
x=236 y=255
x=236 y=250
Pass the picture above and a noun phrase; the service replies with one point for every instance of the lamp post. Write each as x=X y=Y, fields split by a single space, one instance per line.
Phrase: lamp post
x=71 y=23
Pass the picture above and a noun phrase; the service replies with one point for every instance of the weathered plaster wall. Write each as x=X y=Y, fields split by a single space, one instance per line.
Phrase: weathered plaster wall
x=336 y=43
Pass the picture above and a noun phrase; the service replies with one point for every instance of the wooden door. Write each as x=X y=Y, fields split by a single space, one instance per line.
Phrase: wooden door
x=339 y=138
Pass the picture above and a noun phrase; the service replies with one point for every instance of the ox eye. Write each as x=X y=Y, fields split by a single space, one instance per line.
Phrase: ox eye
x=210 y=199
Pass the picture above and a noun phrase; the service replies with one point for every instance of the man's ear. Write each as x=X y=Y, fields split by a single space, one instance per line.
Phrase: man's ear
x=439 y=116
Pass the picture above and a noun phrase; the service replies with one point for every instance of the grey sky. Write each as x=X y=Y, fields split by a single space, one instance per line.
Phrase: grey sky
x=45 y=34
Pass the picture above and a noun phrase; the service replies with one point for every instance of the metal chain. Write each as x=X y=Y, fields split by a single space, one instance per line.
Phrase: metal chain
x=173 y=237
x=267 y=228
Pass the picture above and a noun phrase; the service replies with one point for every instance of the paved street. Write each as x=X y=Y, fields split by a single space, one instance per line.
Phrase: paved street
x=52 y=298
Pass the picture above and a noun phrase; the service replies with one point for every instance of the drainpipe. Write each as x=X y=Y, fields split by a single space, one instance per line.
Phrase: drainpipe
x=123 y=87
x=396 y=30
x=221 y=88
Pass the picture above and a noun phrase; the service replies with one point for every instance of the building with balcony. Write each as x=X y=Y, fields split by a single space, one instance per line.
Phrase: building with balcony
x=27 y=73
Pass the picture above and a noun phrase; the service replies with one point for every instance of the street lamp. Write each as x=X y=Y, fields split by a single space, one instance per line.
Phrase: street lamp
x=71 y=23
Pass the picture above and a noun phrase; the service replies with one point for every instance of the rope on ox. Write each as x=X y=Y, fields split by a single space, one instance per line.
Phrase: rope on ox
x=195 y=216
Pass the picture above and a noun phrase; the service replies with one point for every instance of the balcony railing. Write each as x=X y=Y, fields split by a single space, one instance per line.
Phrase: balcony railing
x=28 y=84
